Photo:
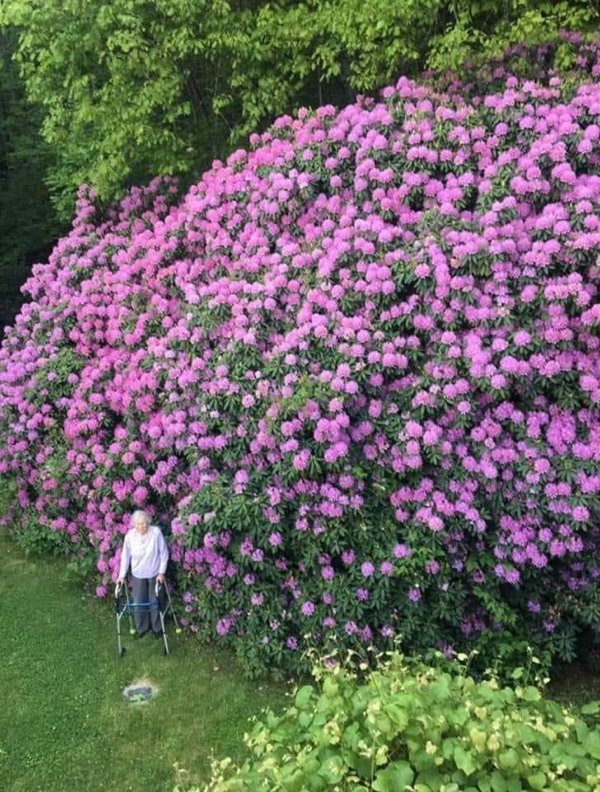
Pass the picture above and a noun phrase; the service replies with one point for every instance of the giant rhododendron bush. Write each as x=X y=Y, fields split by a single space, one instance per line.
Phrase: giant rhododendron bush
x=355 y=372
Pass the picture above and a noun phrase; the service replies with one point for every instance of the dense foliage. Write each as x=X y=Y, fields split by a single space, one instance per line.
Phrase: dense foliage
x=357 y=367
x=136 y=89
x=411 y=727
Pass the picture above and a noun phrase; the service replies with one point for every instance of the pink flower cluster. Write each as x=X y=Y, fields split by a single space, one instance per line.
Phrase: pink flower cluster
x=357 y=367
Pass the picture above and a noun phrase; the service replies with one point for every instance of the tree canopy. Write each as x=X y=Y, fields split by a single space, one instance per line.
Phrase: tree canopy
x=136 y=89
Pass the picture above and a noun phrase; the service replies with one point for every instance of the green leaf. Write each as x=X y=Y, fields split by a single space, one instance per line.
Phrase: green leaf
x=497 y=782
x=465 y=760
x=591 y=708
x=333 y=770
x=537 y=781
x=303 y=696
x=508 y=759
x=592 y=744
x=396 y=776
x=531 y=694
x=398 y=715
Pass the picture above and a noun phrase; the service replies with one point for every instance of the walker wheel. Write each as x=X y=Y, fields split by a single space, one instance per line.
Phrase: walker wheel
x=122 y=652
x=165 y=652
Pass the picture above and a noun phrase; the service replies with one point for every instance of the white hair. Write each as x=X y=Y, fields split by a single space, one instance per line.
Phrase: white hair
x=139 y=515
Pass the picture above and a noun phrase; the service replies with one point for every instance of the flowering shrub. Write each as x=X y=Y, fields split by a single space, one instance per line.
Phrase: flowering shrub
x=417 y=728
x=356 y=368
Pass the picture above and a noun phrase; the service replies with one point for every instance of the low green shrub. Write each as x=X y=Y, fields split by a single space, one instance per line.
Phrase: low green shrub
x=7 y=495
x=28 y=530
x=409 y=726
x=35 y=538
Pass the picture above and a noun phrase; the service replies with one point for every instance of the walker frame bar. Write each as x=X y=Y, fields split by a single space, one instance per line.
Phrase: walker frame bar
x=127 y=607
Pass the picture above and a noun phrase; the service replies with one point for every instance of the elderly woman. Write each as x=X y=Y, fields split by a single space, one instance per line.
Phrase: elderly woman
x=144 y=547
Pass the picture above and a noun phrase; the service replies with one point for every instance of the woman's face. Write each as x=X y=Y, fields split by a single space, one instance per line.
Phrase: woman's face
x=141 y=526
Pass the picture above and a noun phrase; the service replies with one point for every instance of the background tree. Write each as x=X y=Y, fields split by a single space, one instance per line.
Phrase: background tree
x=138 y=88
x=126 y=87
x=28 y=223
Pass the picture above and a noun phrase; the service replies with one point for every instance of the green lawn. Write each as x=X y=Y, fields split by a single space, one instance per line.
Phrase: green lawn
x=63 y=722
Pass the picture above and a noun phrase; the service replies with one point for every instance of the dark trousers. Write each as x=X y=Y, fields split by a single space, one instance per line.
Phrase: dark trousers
x=144 y=591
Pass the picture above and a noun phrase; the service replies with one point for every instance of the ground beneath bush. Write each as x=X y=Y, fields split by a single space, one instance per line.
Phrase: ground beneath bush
x=574 y=684
x=64 y=723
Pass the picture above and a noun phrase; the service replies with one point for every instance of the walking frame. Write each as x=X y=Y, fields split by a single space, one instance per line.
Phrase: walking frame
x=124 y=605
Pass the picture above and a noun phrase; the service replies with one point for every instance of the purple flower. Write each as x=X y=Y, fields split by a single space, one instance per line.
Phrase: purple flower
x=581 y=514
x=348 y=557
x=367 y=569
x=402 y=551
x=432 y=567
x=224 y=626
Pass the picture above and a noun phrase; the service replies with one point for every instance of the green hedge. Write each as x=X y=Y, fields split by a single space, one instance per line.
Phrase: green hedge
x=408 y=726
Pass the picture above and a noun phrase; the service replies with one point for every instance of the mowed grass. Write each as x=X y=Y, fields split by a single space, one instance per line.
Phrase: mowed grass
x=64 y=724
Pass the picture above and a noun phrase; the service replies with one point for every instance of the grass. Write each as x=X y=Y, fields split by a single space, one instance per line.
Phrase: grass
x=64 y=724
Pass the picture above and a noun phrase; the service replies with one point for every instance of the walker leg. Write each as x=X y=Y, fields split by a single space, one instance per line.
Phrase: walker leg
x=120 y=648
x=170 y=607
x=164 y=634
x=129 y=610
